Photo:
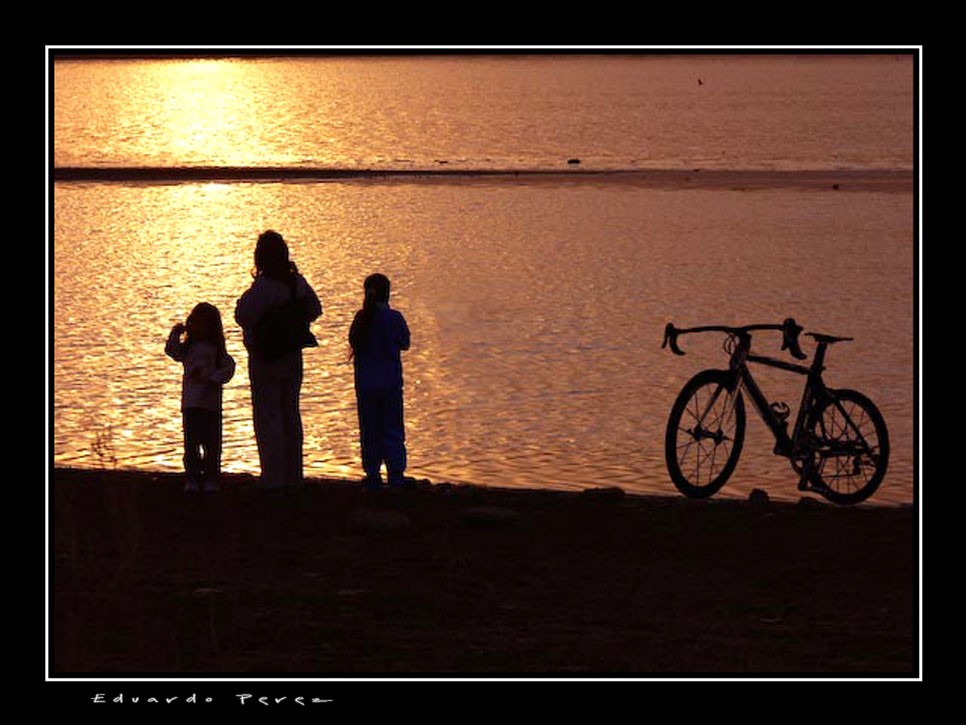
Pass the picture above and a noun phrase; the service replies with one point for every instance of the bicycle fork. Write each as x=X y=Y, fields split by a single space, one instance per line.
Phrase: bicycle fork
x=700 y=430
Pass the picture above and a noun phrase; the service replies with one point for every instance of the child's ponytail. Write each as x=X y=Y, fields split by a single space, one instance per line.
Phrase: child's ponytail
x=376 y=292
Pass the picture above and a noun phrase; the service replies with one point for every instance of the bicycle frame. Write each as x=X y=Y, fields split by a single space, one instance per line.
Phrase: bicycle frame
x=839 y=443
x=814 y=391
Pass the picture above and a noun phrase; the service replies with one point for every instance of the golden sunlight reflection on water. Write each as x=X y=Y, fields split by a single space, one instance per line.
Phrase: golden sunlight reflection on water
x=614 y=111
x=536 y=307
x=536 y=311
x=198 y=110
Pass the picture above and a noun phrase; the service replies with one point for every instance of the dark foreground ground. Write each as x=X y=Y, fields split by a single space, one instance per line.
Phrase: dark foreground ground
x=463 y=581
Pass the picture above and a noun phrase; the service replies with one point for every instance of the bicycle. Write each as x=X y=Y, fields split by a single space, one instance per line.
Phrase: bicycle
x=839 y=445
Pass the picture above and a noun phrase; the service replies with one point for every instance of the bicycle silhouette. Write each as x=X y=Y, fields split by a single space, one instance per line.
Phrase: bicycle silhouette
x=839 y=445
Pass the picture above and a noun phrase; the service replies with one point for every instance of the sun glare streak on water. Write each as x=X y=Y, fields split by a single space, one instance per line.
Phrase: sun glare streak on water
x=488 y=112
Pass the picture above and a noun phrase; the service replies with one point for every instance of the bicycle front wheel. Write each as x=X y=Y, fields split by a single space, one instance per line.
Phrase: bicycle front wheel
x=851 y=450
x=705 y=432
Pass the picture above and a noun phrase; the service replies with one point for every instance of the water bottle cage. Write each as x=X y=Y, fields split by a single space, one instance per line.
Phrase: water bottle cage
x=781 y=411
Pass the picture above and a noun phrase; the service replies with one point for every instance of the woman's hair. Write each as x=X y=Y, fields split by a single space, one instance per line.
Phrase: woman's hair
x=271 y=257
x=209 y=316
x=376 y=289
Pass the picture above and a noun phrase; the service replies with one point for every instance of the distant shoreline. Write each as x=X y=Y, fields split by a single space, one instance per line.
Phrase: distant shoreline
x=899 y=180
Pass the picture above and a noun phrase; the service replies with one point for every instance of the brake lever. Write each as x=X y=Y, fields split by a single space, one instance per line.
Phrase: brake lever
x=671 y=339
x=790 y=333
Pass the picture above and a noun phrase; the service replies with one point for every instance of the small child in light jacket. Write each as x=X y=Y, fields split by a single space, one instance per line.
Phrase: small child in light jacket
x=199 y=345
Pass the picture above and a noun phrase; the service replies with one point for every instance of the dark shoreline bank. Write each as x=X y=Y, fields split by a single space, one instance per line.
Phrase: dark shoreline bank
x=894 y=180
x=456 y=581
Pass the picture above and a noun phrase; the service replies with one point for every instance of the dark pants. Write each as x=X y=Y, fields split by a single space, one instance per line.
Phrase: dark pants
x=381 y=433
x=202 y=444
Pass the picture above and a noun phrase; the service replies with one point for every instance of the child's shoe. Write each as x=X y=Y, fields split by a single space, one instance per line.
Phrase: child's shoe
x=211 y=486
x=399 y=482
x=191 y=486
x=372 y=483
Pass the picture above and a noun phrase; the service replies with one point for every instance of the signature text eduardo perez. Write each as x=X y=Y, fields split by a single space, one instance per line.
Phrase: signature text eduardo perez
x=241 y=698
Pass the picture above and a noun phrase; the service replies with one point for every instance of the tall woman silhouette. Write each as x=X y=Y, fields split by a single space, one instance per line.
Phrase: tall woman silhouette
x=276 y=379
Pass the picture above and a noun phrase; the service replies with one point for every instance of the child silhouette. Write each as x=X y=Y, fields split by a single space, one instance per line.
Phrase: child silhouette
x=199 y=345
x=377 y=335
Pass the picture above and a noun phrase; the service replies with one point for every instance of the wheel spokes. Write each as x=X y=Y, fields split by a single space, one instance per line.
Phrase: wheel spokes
x=848 y=455
x=707 y=424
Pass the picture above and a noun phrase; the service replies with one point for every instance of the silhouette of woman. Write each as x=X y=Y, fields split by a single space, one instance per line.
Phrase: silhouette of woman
x=276 y=382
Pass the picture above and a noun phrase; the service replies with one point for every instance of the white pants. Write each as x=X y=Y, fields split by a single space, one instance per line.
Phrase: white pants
x=275 y=386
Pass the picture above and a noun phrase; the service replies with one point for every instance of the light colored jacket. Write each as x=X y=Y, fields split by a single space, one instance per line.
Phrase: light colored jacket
x=204 y=374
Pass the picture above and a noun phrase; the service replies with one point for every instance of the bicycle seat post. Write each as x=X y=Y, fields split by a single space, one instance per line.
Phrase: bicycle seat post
x=818 y=363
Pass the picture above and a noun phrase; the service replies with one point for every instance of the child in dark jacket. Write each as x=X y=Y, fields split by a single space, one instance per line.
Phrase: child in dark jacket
x=377 y=336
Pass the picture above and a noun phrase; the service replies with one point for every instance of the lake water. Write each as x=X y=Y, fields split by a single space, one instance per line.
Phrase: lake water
x=710 y=190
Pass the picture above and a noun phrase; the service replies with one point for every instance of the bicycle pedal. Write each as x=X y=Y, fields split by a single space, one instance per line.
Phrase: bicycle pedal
x=805 y=485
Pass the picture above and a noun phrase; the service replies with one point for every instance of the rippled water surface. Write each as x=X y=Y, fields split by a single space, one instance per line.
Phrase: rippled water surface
x=537 y=307
x=612 y=111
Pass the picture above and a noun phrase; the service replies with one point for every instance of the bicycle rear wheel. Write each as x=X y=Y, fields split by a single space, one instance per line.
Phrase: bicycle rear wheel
x=851 y=447
x=705 y=432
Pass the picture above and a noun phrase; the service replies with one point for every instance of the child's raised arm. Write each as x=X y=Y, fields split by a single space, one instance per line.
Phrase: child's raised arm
x=173 y=348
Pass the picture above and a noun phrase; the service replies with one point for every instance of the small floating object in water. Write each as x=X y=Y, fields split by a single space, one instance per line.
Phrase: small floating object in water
x=835 y=186
x=573 y=161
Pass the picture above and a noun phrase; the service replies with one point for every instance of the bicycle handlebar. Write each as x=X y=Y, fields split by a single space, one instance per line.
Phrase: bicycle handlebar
x=789 y=329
